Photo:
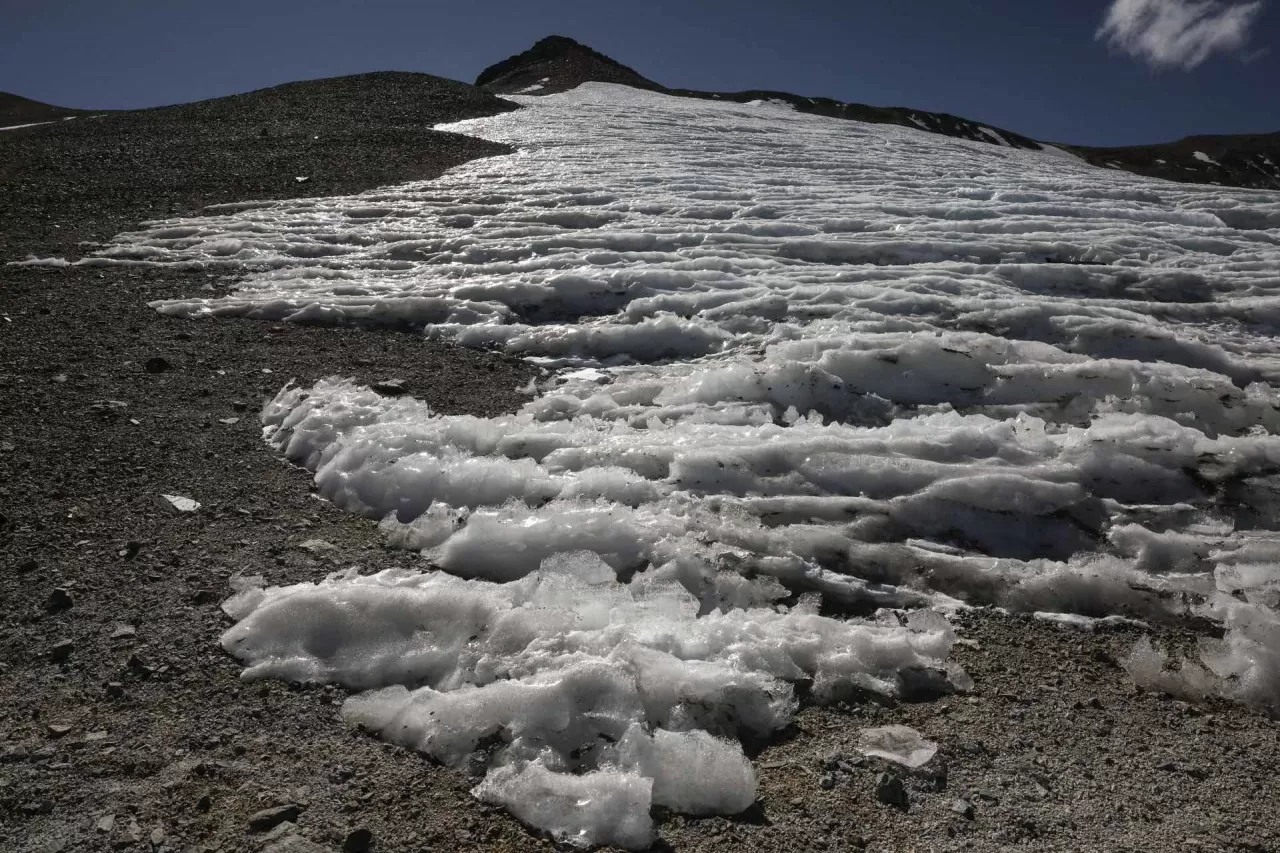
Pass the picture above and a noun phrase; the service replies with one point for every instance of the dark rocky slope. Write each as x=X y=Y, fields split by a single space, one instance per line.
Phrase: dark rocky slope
x=15 y=109
x=92 y=178
x=1243 y=160
x=557 y=64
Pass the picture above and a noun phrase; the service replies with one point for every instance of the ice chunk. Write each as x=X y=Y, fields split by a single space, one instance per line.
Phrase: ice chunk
x=180 y=503
x=899 y=744
x=598 y=808
x=1244 y=665
x=693 y=772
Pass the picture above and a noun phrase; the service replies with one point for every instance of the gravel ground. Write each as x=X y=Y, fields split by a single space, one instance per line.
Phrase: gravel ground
x=123 y=726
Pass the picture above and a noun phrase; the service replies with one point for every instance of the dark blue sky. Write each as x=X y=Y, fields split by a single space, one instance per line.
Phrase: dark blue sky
x=1032 y=66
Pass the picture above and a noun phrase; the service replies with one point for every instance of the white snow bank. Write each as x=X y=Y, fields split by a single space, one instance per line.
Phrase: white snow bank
x=1012 y=512
x=606 y=697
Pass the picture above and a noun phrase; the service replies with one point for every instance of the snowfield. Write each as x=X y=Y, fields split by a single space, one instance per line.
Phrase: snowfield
x=811 y=384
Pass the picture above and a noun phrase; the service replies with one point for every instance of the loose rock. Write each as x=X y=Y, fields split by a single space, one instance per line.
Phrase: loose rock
x=61 y=650
x=891 y=791
x=58 y=600
x=269 y=818
x=358 y=841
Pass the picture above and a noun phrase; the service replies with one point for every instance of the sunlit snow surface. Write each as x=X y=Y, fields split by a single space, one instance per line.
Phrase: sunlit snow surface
x=793 y=355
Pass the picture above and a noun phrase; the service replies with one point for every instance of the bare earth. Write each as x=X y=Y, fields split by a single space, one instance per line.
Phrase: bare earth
x=123 y=725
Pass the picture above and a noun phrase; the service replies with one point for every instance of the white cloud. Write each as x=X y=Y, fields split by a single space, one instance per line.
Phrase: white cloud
x=1177 y=33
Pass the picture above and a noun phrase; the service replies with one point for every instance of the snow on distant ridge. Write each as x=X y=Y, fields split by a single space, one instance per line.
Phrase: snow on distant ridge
x=884 y=367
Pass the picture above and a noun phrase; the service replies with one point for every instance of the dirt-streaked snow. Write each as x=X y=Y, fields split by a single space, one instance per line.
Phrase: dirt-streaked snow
x=796 y=355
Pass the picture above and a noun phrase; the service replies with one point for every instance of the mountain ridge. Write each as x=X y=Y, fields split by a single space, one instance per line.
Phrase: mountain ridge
x=15 y=109
x=558 y=63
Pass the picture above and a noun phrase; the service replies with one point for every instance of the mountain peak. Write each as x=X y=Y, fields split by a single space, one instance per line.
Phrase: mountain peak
x=556 y=64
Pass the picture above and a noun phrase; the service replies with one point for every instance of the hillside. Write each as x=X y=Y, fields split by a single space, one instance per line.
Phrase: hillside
x=82 y=177
x=1245 y=160
x=628 y=468
x=15 y=109
x=556 y=64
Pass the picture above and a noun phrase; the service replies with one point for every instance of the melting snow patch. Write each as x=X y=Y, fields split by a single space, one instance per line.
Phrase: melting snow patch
x=790 y=357
x=1205 y=158
x=605 y=697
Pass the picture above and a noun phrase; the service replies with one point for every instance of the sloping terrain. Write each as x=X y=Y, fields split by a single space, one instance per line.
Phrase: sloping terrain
x=556 y=64
x=913 y=371
x=15 y=109
x=94 y=177
x=125 y=727
x=1245 y=160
